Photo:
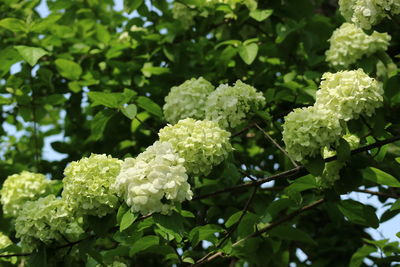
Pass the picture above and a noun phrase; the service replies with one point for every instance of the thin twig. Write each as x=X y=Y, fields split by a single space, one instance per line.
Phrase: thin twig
x=244 y=211
x=242 y=131
x=381 y=194
x=295 y=172
x=276 y=144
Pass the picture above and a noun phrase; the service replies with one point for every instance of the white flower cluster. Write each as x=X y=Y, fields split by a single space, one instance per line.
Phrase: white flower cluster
x=47 y=219
x=202 y=144
x=228 y=105
x=306 y=130
x=154 y=180
x=332 y=169
x=87 y=185
x=187 y=100
x=19 y=188
x=349 y=94
x=343 y=96
x=366 y=13
x=350 y=43
x=183 y=14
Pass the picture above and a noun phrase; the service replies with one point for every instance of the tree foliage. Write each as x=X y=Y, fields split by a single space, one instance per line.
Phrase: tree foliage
x=98 y=77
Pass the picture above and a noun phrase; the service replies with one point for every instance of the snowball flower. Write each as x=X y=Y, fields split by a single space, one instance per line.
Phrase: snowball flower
x=349 y=43
x=184 y=14
x=154 y=180
x=349 y=94
x=22 y=187
x=87 y=184
x=366 y=13
x=229 y=105
x=203 y=144
x=48 y=219
x=187 y=100
x=307 y=130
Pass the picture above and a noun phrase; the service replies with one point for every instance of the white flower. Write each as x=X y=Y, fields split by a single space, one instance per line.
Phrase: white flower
x=202 y=144
x=349 y=94
x=154 y=180
x=349 y=44
x=187 y=100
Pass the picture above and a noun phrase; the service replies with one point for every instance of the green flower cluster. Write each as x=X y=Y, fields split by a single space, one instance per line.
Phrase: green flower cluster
x=22 y=187
x=187 y=100
x=308 y=129
x=349 y=94
x=47 y=219
x=349 y=43
x=154 y=180
x=202 y=144
x=332 y=169
x=87 y=185
x=366 y=13
x=183 y=14
x=228 y=105
x=343 y=96
x=4 y=241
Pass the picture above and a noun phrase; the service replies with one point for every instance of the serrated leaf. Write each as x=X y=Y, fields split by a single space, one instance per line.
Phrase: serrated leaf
x=343 y=151
x=205 y=232
x=261 y=15
x=127 y=220
x=315 y=165
x=380 y=177
x=68 y=69
x=144 y=243
x=358 y=257
x=99 y=123
x=290 y=233
x=358 y=213
x=30 y=54
x=13 y=24
x=130 y=111
x=248 y=52
x=149 y=105
x=396 y=205
x=45 y=23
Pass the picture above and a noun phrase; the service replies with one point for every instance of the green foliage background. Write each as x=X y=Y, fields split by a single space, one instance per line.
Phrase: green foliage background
x=105 y=93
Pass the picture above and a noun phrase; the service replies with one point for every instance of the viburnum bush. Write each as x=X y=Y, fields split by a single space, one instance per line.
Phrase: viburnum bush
x=199 y=132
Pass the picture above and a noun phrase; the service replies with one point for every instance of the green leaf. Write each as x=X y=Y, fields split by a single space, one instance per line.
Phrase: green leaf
x=170 y=225
x=45 y=23
x=99 y=123
x=315 y=165
x=396 y=205
x=130 y=111
x=131 y=5
x=290 y=233
x=121 y=212
x=102 y=34
x=380 y=177
x=398 y=160
x=149 y=105
x=38 y=258
x=68 y=69
x=127 y=220
x=144 y=243
x=15 y=25
x=359 y=213
x=303 y=183
x=8 y=57
x=343 y=150
x=358 y=257
x=234 y=218
x=248 y=52
x=30 y=54
x=261 y=15
x=205 y=232
x=148 y=70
